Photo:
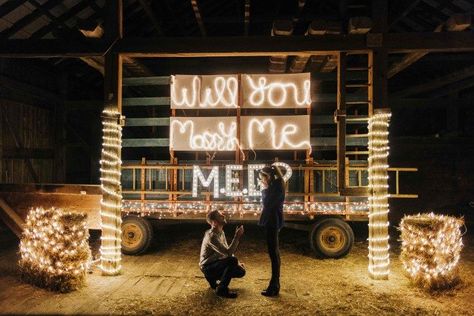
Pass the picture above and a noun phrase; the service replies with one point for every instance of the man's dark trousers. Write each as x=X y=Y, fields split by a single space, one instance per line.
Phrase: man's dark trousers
x=223 y=270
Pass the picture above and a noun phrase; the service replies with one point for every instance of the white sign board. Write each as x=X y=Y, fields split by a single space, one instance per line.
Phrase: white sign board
x=258 y=91
x=276 y=91
x=275 y=132
x=203 y=133
x=204 y=92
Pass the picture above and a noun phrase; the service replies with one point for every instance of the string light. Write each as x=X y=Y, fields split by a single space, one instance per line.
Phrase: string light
x=247 y=207
x=262 y=91
x=183 y=135
x=379 y=208
x=111 y=203
x=431 y=249
x=222 y=91
x=230 y=180
x=279 y=138
x=253 y=191
x=54 y=249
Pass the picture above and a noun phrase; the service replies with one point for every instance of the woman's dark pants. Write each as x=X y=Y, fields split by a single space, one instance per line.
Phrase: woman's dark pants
x=274 y=253
x=223 y=270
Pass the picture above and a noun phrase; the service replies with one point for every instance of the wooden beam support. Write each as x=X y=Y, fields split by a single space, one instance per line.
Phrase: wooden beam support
x=340 y=118
x=456 y=23
x=238 y=46
x=11 y=218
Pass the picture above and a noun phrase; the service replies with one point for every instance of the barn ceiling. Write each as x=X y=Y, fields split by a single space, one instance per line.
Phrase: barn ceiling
x=38 y=19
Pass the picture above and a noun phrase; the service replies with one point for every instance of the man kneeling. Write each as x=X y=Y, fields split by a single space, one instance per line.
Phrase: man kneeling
x=217 y=260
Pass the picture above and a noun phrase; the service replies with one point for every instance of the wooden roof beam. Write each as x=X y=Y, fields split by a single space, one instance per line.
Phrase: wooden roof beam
x=246 y=17
x=29 y=18
x=238 y=46
x=151 y=16
x=436 y=83
x=197 y=15
x=455 y=23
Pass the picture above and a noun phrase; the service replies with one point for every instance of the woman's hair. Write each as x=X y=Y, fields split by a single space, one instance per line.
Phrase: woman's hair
x=275 y=174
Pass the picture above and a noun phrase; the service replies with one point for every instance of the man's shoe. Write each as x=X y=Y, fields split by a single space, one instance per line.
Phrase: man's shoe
x=213 y=284
x=224 y=292
x=271 y=292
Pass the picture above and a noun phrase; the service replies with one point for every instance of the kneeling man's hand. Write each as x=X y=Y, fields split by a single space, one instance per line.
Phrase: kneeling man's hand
x=239 y=231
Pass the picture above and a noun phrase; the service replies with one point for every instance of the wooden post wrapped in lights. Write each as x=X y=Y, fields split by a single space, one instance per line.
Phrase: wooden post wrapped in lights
x=111 y=203
x=54 y=249
x=378 y=201
x=431 y=248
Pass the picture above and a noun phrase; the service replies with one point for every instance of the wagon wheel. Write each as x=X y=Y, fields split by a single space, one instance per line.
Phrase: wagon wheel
x=137 y=234
x=331 y=238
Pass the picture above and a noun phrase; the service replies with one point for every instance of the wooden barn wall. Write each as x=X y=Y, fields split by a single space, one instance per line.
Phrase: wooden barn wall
x=34 y=128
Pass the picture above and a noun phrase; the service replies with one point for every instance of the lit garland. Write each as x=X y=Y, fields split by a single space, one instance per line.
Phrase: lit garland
x=54 y=249
x=378 y=183
x=431 y=248
x=111 y=202
x=173 y=209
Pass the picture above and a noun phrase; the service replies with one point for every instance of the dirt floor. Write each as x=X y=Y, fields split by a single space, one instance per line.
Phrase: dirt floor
x=167 y=281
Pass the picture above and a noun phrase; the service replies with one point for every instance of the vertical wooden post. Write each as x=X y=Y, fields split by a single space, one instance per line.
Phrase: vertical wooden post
x=378 y=146
x=111 y=164
x=340 y=117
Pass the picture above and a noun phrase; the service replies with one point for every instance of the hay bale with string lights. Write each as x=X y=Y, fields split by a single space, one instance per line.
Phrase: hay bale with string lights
x=54 y=249
x=431 y=248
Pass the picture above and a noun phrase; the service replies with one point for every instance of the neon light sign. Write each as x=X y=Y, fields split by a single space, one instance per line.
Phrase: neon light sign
x=258 y=91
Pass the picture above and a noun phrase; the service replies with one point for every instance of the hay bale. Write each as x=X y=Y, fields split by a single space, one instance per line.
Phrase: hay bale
x=431 y=248
x=54 y=249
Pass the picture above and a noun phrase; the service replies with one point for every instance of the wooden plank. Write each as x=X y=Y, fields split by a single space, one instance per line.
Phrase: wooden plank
x=340 y=117
x=145 y=142
x=146 y=101
x=19 y=144
x=149 y=121
x=315 y=141
x=146 y=81
x=28 y=153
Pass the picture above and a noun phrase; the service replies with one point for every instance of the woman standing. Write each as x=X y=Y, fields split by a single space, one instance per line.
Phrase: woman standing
x=273 y=196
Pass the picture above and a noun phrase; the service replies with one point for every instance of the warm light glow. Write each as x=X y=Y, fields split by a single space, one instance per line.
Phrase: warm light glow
x=379 y=208
x=431 y=249
x=169 y=209
x=54 y=249
x=111 y=203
